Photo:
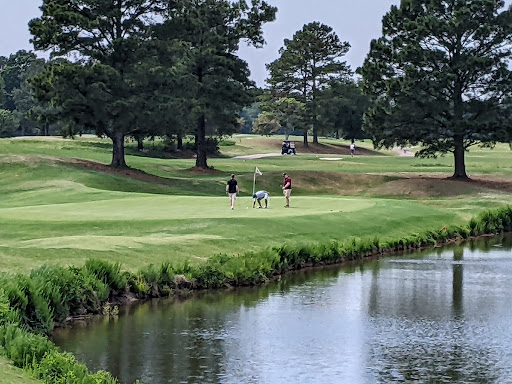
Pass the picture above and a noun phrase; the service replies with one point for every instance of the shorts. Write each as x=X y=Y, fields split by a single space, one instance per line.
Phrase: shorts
x=232 y=196
x=287 y=192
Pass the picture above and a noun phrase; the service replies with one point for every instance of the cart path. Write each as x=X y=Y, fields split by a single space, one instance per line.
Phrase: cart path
x=257 y=156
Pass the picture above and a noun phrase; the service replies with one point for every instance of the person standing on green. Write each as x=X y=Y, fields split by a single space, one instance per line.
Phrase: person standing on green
x=232 y=190
x=287 y=189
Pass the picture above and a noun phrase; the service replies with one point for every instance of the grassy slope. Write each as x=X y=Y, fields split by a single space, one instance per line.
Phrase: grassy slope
x=54 y=211
x=12 y=375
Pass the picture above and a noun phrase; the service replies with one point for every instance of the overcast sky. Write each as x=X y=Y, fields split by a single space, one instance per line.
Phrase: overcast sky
x=355 y=21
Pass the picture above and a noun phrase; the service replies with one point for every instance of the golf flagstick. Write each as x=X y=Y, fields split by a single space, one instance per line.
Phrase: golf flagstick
x=256 y=171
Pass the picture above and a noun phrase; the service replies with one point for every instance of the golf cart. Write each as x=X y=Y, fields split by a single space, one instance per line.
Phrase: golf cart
x=288 y=148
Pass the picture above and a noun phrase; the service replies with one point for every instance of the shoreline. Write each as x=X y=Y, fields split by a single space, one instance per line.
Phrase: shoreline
x=129 y=298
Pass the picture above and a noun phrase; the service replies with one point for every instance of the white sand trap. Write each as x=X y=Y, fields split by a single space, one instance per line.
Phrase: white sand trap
x=331 y=158
x=403 y=152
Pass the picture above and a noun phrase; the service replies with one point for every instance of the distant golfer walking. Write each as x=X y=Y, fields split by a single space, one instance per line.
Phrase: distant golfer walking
x=232 y=190
x=287 y=189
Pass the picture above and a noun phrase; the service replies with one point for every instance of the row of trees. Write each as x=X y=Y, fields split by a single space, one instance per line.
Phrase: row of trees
x=310 y=82
x=20 y=112
x=440 y=76
x=148 y=67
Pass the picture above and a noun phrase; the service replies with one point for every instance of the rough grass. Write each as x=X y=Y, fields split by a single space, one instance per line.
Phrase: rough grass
x=12 y=375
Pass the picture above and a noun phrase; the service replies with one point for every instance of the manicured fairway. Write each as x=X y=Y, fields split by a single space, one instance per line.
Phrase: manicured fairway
x=59 y=210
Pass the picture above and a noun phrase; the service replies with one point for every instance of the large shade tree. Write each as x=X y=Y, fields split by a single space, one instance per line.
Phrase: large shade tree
x=441 y=73
x=216 y=80
x=307 y=63
x=341 y=108
x=102 y=88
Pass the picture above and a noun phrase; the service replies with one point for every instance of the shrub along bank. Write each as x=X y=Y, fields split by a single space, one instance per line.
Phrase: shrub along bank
x=31 y=306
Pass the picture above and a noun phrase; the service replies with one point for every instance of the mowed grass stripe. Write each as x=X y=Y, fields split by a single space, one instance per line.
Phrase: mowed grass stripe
x=180 y=207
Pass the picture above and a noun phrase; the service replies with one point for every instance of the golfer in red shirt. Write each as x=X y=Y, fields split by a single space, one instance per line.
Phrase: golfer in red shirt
x=287 y=189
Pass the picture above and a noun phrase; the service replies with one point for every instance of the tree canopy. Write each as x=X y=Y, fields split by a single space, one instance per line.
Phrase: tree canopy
x=441 y=74
x=104 y=88
x=146 y=67
x=307 y=63
x=216 y=80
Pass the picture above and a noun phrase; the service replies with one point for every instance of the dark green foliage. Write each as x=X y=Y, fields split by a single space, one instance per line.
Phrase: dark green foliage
x=44 y=360
x=441 y=77
x=23 y=347
x=341 y=106
x=56 y=287
x=108 y=273
x=8 y=123
x=217 y=84
x=12 y=69
x=26 y=297
x=308 y=62
x=211 y=145
x=109 y=90
x=7 y=314
x=63 y=368
x=92 y=293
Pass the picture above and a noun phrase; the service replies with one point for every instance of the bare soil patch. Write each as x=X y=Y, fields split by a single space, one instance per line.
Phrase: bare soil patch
x=129 y=172
x=201 y=171
x=421 y=186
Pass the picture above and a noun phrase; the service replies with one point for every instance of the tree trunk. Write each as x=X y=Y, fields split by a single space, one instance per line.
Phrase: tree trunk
x=118 y=160
x=179 y=145
x=459 y=154
x=201 y=143
x=306 y=144
x=315 y=135
x=140 y=142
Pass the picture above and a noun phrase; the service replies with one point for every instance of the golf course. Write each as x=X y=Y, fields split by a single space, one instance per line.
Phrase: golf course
x=61 y=204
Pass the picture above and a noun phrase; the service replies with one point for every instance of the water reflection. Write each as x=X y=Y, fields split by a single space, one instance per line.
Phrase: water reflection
x=440 y=317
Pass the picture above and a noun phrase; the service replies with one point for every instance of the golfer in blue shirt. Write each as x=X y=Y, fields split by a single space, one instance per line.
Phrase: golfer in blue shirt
x=258 y=196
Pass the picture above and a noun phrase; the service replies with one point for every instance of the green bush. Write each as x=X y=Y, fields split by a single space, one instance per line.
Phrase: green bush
x=22 y=347
x=7 y=315
x=108 y=273
x=26 y=298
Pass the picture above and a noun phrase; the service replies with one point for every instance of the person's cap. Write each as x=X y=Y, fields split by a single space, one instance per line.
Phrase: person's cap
x=284 y=174
x=232 y=175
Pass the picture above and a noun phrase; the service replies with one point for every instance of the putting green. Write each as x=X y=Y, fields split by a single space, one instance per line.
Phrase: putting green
x=152 y=207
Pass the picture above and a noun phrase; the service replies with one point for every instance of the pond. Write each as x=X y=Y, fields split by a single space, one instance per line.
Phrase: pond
x=442 y=316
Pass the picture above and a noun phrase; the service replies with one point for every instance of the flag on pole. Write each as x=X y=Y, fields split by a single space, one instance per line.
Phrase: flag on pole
x=256 y=171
